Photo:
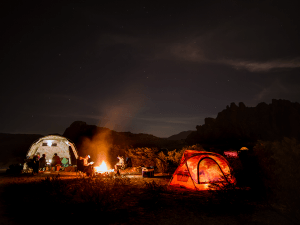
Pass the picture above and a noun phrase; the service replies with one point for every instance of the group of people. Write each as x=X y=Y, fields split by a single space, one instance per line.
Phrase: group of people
x=86 y=167
x=40 y=163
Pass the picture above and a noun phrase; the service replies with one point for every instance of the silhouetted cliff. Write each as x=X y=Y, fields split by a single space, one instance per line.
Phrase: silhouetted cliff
x=241 y=124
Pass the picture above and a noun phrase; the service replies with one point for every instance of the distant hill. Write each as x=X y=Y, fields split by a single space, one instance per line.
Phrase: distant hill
x=181 y=136
x=79 y=130
x=241 y=125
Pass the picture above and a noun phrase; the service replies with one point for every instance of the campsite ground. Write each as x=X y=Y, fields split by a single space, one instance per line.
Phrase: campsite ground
x=133 y=200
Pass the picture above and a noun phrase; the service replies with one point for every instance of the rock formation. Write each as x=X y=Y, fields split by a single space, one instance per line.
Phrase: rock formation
x=241 y=124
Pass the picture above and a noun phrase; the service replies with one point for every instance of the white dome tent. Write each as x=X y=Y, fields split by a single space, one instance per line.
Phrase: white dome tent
x=53 y=144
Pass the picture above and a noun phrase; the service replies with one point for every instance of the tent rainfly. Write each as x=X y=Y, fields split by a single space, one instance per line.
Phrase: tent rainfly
x=199 y=169
x=53 y=144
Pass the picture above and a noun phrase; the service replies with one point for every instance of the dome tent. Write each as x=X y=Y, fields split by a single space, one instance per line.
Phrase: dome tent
x=53 y=144
x=198 y=169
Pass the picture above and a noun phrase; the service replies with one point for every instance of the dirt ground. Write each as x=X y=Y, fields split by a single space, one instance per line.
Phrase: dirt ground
x=174 y=209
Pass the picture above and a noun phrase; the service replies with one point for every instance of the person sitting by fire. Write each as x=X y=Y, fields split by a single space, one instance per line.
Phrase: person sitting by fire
x=55 y=160
x=87 y=166
x=120 y=164
x=43 y=162
x=35 y=165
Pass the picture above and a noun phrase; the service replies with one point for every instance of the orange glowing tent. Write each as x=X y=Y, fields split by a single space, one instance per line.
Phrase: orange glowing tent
x=199 y=169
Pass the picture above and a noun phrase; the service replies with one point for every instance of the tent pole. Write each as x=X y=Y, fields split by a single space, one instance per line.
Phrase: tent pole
x=191 y=176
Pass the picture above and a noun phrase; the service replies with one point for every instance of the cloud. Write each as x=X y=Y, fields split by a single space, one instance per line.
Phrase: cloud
x=238 y=46
x=194 y=53
x=262 y=66
x=277 y=90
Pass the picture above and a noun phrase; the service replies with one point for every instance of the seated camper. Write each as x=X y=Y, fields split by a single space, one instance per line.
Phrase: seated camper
x=65 y=162
x=84 y=166
x=120 y=164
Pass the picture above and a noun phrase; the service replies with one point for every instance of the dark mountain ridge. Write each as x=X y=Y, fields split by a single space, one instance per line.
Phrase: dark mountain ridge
x=241 y=125
x=233 y=127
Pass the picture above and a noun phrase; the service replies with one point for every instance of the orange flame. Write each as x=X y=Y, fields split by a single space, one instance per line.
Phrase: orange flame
x=102 y=168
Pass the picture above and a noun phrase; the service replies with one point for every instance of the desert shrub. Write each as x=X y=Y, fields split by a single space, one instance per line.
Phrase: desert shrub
x=91 y=197
x=237 y=171
x=278 y=162
x=175 y=156
x=223 y=186
x=194 y=147
x=142 y=156
x=172 y=160
x=15 y=169
x=152 y=194
x=154 y=187
x=162 y=163
x=235 y=199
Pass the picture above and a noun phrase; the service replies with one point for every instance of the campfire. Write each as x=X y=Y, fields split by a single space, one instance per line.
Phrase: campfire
x=102 y=169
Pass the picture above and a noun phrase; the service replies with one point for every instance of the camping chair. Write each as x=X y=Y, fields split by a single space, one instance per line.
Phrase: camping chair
x=128 y=162
x=79 y=169
x=123 y=166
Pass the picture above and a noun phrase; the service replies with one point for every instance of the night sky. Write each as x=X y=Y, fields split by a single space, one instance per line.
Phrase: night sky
x=153 y=67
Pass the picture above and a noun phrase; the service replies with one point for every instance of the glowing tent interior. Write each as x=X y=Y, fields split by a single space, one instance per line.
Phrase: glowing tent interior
x=199 y=169
x=53 y=144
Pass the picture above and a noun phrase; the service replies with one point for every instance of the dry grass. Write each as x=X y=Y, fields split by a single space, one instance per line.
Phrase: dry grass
x=125 y=200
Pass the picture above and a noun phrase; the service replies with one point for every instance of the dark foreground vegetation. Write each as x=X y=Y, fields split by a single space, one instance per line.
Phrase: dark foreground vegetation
x=268 y=176
x=267 y=192
x=123 y=200
x=120 y=201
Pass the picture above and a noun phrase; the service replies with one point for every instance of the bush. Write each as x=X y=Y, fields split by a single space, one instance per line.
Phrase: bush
x=142 y=156
x=193 y=147
x=15 y=169
x=226 y=192
x=238 y=171
x=172 y=160
x=175 y=156
x=92 y=197
x=278 y=162
x=162 y=164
